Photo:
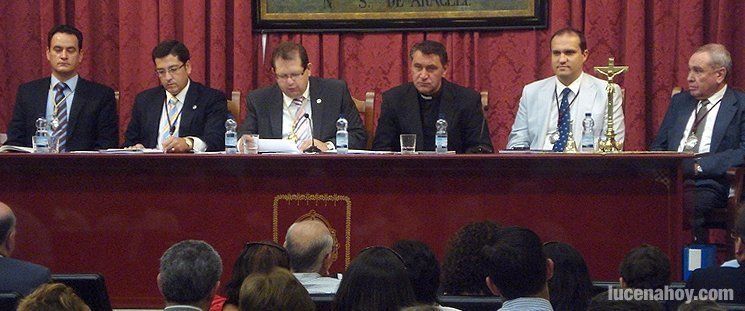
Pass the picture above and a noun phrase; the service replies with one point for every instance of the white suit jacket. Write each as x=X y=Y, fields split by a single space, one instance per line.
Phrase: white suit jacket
x=532 y=119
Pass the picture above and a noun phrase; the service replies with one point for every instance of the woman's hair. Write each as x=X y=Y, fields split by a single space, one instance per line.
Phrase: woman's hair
x=375 y=280
x=276 y=289
x=255 y=257
x=54 y=296
x=570 y=288
x=462 y=269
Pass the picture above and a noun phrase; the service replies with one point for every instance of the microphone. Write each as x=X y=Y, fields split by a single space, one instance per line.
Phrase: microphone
x=312 y=148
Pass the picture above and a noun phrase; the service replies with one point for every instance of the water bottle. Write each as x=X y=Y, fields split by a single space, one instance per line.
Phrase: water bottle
x=230 y=137
x=441 y=136
x=342 y=136
x=41 y=138
x=588 y=134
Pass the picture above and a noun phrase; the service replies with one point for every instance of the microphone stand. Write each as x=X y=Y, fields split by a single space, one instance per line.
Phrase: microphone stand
x=312 y=148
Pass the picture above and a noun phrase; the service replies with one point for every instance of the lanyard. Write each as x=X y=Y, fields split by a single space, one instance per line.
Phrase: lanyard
x=698 y=120
x=556 y=98
x=172 y=126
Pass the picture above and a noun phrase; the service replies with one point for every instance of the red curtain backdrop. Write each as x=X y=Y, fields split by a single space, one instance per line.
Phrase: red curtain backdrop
x=655 y=38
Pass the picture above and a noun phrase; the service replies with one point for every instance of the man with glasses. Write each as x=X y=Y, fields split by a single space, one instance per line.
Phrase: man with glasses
x=180 y=115
x=83 y=113
x=298 y=104
x=709 y=121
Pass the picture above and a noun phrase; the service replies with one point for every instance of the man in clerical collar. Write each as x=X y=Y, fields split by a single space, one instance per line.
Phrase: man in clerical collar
x=415 y=107
x=552 y=108
x=82 y=113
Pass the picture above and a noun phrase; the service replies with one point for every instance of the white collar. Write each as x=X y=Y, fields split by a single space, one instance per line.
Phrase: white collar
x=183 y=307
x=713 y=99
x=574 y=86
x=181 y=96
x=288 y=101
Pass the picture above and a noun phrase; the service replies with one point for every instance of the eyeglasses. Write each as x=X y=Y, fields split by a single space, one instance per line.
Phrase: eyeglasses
x=172 y=70
x=294 y=76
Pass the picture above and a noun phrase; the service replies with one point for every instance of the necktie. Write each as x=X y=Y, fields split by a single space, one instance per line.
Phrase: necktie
x=563 y=124
x=701 y=119
x=301 y=130
x=60 y=114
x=170 y=120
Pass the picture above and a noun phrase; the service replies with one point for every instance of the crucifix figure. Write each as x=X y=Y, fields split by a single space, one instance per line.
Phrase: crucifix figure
x=609 y=143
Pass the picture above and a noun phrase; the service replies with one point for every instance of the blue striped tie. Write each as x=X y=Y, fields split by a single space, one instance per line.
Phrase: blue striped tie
x=563 y=124
x=60 y=104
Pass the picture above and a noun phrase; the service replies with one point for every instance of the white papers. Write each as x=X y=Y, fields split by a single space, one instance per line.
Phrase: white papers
x=277 y=146
x=694 y=259
x=129 y=151
x=9 y=148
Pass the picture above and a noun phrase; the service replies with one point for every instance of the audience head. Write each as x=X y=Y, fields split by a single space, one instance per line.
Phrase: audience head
x=738 y=233
x=291 y=68
x=645 y=267
x=708 y=69
x=172 y=65
x=422 y=307
x=429 y=62
x=53 y=296
x=568 y=54
x=7 y=230
x=375 y=280
x=601 y=303
x=64 y=51
x=311 y=247
x=701 y=305
x=462 y=269
x=189 y=273
x=422 y=268
x=570 y=288
x=275 y=289
x=517 y=266
x=255 y=257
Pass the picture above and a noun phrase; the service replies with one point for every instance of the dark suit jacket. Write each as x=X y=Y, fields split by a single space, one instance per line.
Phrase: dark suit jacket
x=400 y=114
x=727 y=141
x=20 y=276
x=204 y=114
x=265 y=112
x=720 y=277
x=93 y=123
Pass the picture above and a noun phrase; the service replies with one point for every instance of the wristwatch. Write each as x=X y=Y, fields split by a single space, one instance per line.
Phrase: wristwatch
x=189 y=142
x=697 y=168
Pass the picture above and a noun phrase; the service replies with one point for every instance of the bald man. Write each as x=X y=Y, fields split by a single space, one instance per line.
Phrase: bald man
x=310 y=246
x=16 y=275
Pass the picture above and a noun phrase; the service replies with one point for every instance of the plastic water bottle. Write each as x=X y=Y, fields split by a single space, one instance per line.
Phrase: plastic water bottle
x=41 y=138
x=342 y=136
x=441 y=136
x=230 y=137
x=588 y=133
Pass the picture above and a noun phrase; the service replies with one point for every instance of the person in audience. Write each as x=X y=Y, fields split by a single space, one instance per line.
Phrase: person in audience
x=311 y=249
x=423 y=270
x=85 y=111
x=462 y=269
x=16 y=275
x=274 y=290
x=300 y=103
x=53 y=297
x=551 y=108
x=601 y=302
x=255 y=257
x=375 y=280
x=701 y=305
x=180 y=115
x=415 y=107
x=189 y=275
x=519 y=270
x=645 y=267
x=708 y=120
x=570 y=288
x=725 y=277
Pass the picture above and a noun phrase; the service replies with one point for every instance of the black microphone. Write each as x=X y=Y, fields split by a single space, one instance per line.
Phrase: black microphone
x=312 y=148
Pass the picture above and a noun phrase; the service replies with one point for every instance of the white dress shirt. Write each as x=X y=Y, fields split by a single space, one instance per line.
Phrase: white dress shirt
x=288 y=112
x=711 y=118
x=199 y=145
x=553 y=117
x=72 y=84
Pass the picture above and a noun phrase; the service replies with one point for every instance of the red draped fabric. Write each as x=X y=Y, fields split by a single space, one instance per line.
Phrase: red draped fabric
x=654 y=37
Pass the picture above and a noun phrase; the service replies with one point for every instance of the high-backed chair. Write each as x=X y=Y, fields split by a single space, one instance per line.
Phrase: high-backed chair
x=367 y=110
x=234 y=105
x=9 y=300
x=89 y=287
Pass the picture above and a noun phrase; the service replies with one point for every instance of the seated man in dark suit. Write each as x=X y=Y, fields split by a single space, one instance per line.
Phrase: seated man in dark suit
x=289 y=108
x=415 y=107
x=16 y=275
x=180 y=115
x=725 y=277
x=84 y=112
x=708 y=120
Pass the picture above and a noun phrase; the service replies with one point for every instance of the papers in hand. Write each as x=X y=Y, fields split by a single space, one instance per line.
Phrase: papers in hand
x=277 y=146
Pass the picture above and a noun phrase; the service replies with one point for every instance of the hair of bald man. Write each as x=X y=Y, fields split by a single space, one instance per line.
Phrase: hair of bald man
x=307 y=256
x=7 y=223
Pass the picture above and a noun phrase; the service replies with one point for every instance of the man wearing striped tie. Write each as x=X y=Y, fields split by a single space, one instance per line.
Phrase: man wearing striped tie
x=83 y=113
x=180 y=115
x=299 y=103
